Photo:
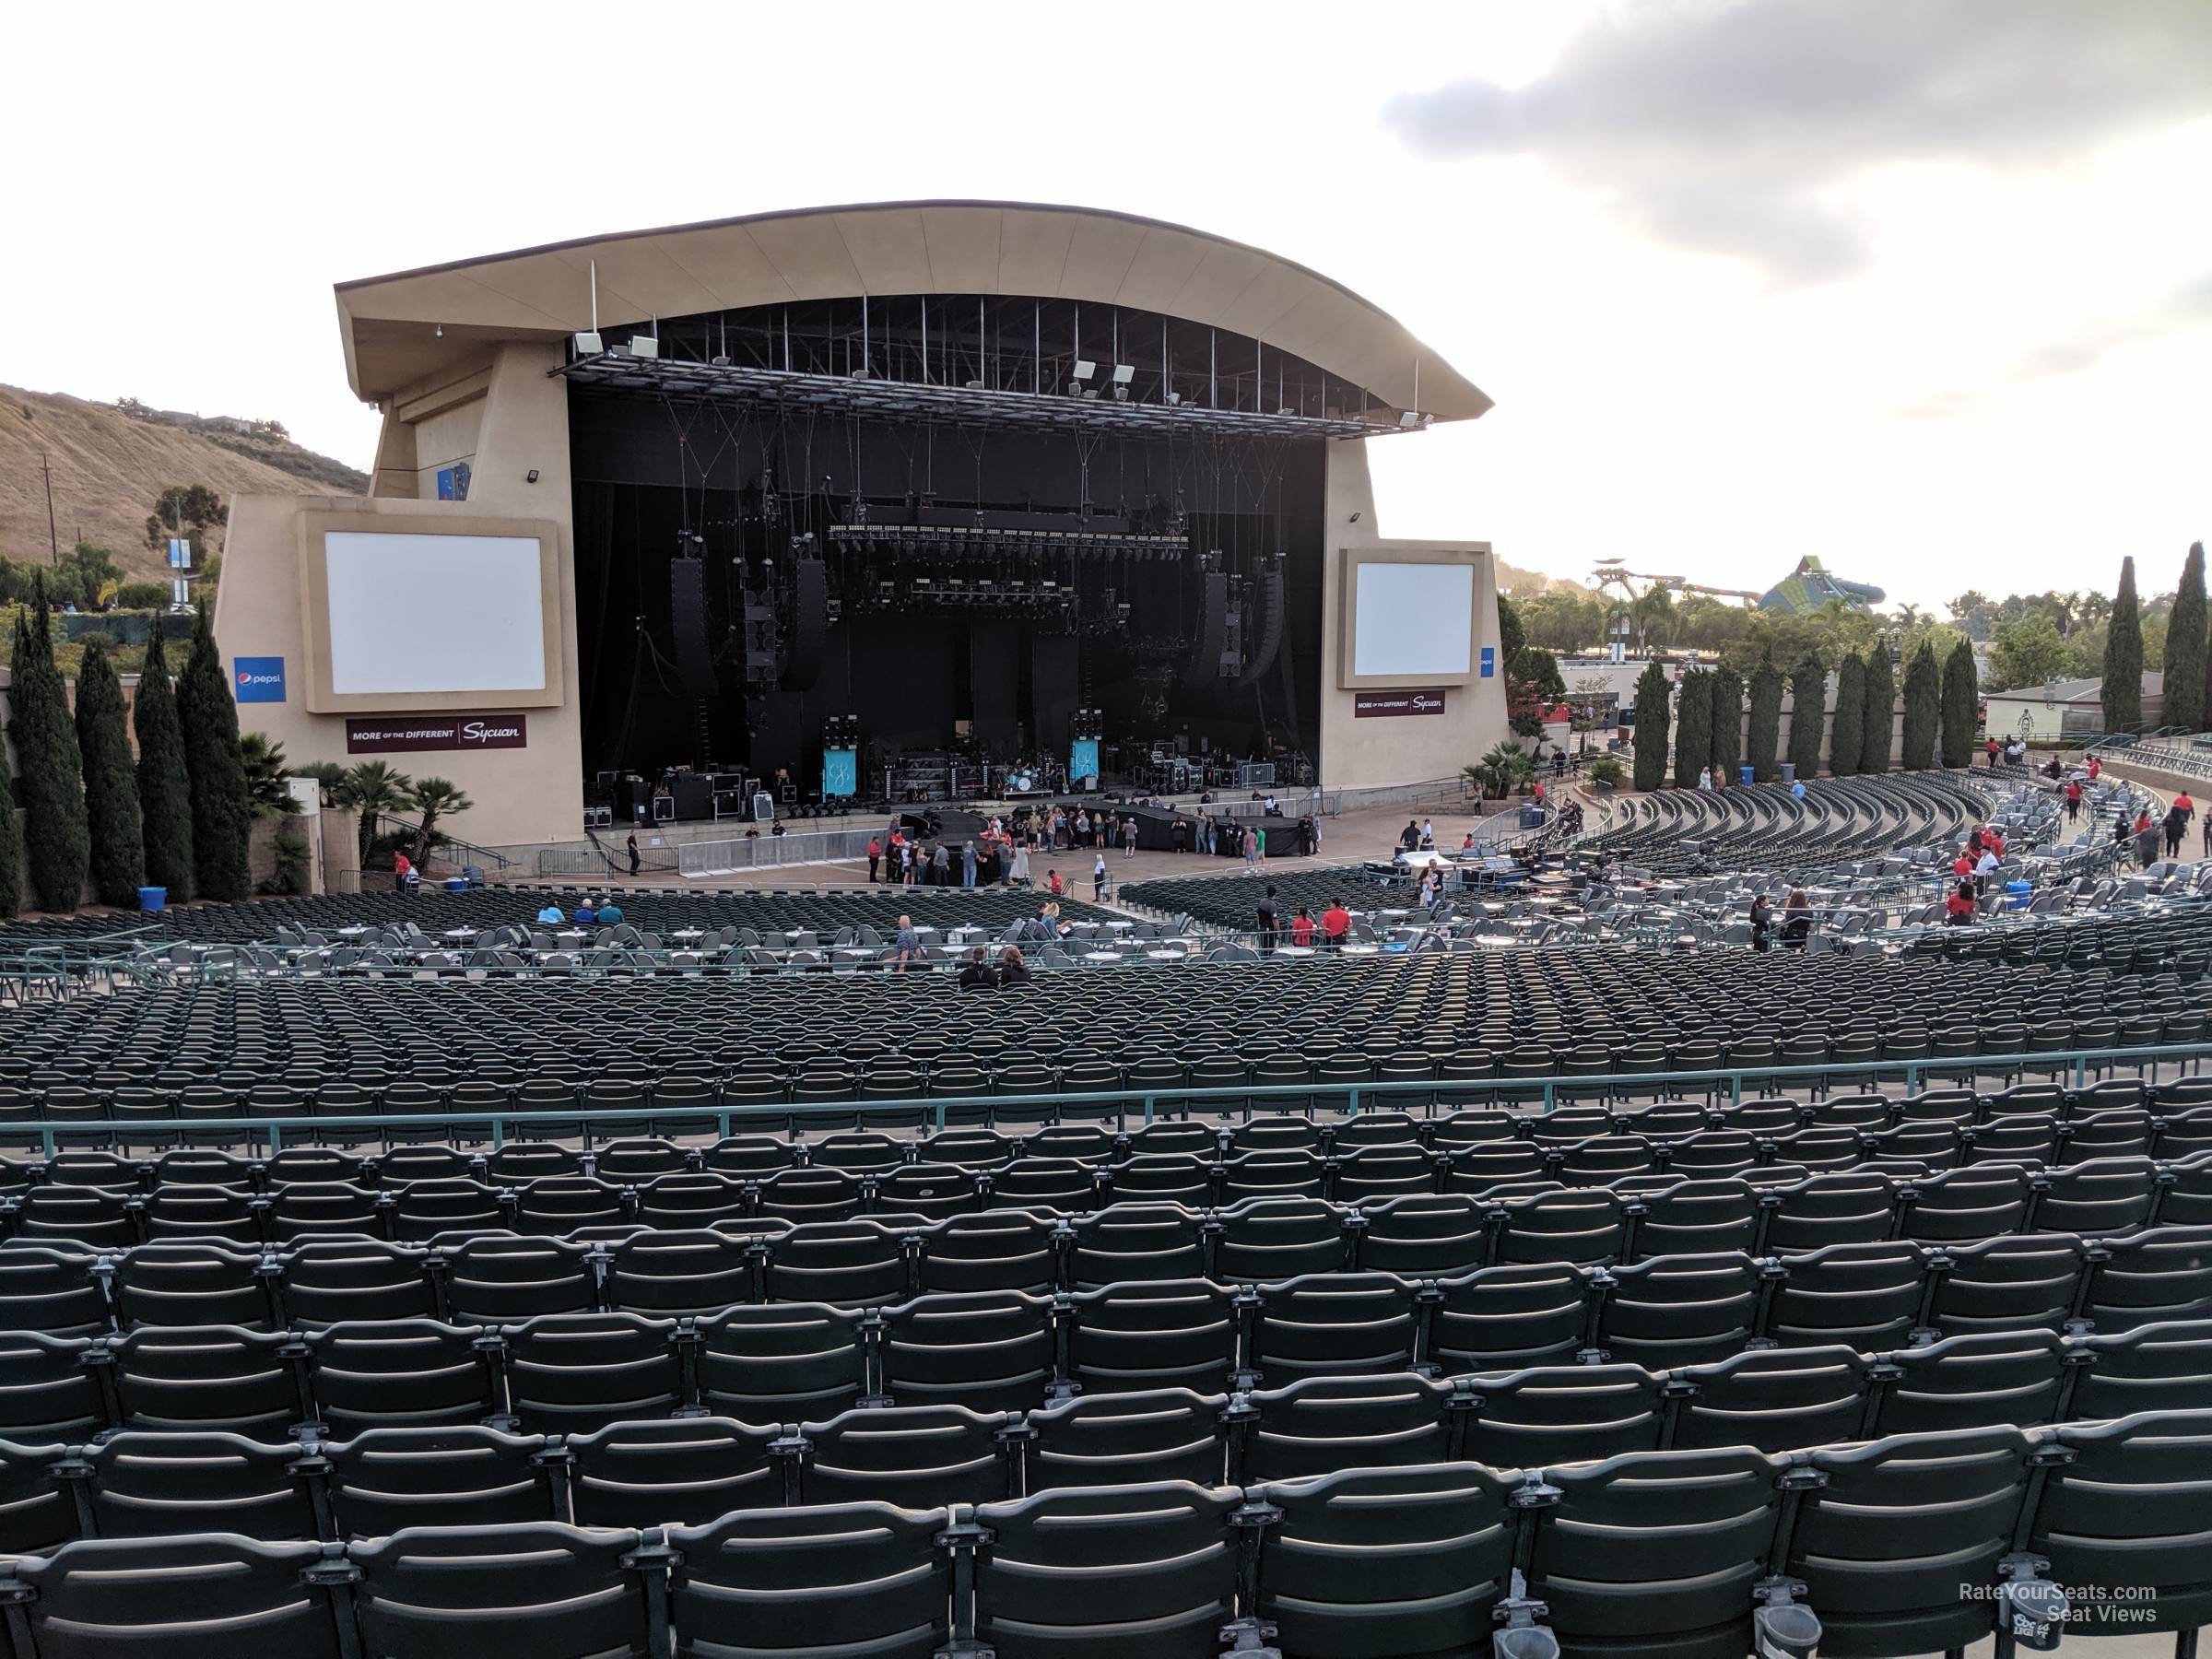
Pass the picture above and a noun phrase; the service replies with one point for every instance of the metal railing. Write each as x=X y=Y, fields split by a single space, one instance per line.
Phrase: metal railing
x=1543 y=1092
x=695 y=859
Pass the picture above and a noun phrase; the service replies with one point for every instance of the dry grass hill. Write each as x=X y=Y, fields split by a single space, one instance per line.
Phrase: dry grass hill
x=111 y=460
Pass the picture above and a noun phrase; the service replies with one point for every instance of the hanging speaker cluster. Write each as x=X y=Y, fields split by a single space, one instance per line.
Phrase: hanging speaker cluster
x=1267 y=621
x=1213 y=629
x=688 y=612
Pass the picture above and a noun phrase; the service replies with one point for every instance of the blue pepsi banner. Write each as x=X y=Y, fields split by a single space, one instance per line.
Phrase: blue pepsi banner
x=840 y=773
x=1082 y=760
x=258 y=680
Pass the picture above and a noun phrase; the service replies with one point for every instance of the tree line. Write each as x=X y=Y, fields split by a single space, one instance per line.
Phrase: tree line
x=1721 y=720
x=180 y=817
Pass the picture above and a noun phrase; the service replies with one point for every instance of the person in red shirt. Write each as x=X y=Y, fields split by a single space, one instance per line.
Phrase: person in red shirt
x=1959 y=909
x=2073 y=800
x=403 y=871
x=1962 y=866
x=1335 y=923
x=1990 y=749
x=1301 y=928
x=875 y=856
x=2096 y=766
x=1053 y=882
x=1993 y=838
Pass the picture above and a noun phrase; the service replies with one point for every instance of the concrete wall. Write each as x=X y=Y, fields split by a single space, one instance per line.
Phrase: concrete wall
x=526 y=795
x=1371 y=753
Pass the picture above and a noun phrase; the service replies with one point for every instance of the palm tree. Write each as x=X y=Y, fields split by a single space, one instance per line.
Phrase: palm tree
x=371 y=788
x=434 y=797
x=265 y=773
x=1498 y=771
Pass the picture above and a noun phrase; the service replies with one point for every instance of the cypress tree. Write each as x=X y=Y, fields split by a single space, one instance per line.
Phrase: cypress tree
x=1877 y=707
x=2185 y=664
x=110 y=787
x=1693 y=728
x=1652 y=692
x=1727 y=721
x=1762 y=733
x=164 y=788
x=1924 y=707
x=1808 y=685
x=2122 y=694
x=222 y=810
x=1847 y=739
x=1961 y=705
x=56 y=845
x=11 y=842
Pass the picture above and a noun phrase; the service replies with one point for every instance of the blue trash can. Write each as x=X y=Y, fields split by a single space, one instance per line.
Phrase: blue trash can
x=456 y=884
x=2015 y=895
x=1789 y=771
x=1746 y=776
x=153 y=898
x=1532 y=816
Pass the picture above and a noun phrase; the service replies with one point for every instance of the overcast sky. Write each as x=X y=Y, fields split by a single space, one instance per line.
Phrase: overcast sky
x=1924 y=286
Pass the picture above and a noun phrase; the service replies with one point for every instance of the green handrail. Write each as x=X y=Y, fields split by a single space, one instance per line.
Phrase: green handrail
x=1352 y=1094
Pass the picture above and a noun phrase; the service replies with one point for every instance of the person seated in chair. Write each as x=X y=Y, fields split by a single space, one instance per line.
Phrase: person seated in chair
x=610 y=912
x=1012 y=970
x=976 y=973
x=552 y=914
x=585 y=914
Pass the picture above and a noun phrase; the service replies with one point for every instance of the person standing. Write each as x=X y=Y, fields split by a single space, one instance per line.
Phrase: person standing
x=875 y=858
x=940 y=863
x=1179 y=834
x=1098 y=878
x=1252 y=848
x=2146 y=839
x=906 y=946
x=1797 y=921
x=634 y=860
x=1267 y=916
x=403 y=871
x=1959 y=909
x=1991 y=749
x=968 y=863
x=1302 y=929
x=1335 y=924
x=2177 y=822
x=1762 y=921
x=1129 y=836
x=2073 y=800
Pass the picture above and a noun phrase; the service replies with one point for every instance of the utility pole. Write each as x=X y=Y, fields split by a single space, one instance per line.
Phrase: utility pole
x=53 y=545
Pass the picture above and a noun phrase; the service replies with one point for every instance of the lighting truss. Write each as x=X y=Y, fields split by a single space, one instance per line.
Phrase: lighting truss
x=901 y=400
x=983 y=542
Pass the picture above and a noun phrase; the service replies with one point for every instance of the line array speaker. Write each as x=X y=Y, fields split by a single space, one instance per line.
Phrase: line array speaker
x=688 y=612
x=809 y=625
x=1269 y=624
x=1205 y=665
x=758 y=645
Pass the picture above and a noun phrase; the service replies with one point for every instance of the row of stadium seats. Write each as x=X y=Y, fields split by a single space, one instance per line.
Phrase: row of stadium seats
x=1012 y=1350
x=641 y=1463
x=1910 y=1545
x=616 y=1044
x=2174 y=1111
x=1501 y=1202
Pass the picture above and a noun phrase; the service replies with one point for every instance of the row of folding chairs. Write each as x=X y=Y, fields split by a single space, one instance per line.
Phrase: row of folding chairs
x=1909 y=1545
x=657 y=1467
x=1012 y=1351
x=1489 y=1210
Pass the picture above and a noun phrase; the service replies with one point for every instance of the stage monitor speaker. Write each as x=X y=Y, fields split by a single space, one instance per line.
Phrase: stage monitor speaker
x=809 y=626
x=687 y=613
x=1205 y=665
x=1270 y=623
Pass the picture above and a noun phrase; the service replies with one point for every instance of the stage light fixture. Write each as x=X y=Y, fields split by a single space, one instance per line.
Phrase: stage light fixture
x=1123 y=373
x=1408 y=420
x=1085 y=368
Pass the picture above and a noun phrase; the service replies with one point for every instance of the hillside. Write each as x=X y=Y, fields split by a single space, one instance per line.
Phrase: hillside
x=112 y=461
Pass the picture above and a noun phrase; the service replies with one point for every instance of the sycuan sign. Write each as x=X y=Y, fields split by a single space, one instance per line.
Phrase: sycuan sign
x=1367 y=705
x=393 y=733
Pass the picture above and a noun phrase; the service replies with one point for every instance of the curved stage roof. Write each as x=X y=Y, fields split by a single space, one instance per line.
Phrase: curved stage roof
x=887 y=248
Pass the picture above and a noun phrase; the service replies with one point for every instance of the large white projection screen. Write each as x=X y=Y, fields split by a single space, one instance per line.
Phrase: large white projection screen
x=434 y=612
x=1412 y=619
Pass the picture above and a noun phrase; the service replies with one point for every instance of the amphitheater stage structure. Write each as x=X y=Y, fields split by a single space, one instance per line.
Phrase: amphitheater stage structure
x=810 y=510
